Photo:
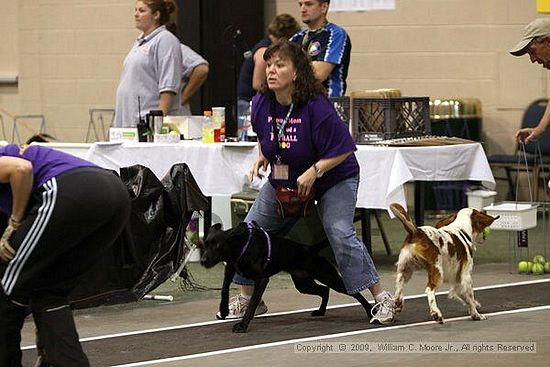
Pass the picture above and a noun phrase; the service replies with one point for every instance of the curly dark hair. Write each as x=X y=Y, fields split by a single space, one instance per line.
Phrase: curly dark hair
x=283 y=26
x=306 y=86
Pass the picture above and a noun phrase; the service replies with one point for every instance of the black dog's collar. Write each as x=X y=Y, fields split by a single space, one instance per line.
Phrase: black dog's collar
x=251 y=226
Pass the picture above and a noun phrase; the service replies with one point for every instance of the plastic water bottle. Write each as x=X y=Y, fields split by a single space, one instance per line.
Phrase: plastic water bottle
x=208 y=128
x=249 y=133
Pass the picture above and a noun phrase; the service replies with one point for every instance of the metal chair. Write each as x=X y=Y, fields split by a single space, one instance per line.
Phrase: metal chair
x=21 y=119
x=98 y=117
x=537 y=153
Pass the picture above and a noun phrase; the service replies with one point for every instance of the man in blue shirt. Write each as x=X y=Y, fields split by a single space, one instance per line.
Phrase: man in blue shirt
x=328 y=45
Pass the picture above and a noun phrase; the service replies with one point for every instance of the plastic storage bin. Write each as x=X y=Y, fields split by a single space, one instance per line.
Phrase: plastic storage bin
x=394 y=117
x=342 y=106
x=514 y=216
x=478 y=199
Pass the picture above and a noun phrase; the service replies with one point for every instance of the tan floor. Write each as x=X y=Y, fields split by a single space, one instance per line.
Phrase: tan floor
x=529 y=326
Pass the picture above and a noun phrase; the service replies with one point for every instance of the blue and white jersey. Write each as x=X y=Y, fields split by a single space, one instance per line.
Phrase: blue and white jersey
x=330 y=44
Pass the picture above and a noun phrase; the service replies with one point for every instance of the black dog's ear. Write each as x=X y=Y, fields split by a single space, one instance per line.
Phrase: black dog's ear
x=216 y=227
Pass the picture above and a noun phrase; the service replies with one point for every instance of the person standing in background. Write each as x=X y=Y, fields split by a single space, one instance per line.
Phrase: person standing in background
x=328 y=45
x=194 y=73
x=536 y=43
x=152 y=70
x=252 y=74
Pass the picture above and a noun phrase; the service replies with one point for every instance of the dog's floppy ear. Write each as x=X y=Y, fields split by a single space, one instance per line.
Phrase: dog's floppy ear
x=482 y=220
x=446 y=221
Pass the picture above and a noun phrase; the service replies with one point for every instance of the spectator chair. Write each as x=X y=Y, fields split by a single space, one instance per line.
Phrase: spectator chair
x=98 y=119
x=23 y=121
x=537 y=153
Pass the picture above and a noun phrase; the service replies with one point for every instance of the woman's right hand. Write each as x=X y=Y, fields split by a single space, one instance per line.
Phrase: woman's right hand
x=261 y=163
x=527 y=134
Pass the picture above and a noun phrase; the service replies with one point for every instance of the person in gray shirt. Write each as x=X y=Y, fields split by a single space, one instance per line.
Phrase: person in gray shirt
x=152 y=70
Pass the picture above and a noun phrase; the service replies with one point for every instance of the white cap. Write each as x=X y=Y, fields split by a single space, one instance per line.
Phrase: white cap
x=538 y=27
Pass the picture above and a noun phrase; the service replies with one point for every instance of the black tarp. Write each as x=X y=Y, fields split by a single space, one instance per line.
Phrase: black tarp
x=151 y=248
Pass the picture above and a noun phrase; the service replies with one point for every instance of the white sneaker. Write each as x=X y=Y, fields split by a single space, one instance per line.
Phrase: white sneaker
x=383 y=312
x=239 y=304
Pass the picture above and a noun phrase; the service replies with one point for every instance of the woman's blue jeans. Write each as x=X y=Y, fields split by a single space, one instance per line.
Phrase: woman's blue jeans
x=336 y=210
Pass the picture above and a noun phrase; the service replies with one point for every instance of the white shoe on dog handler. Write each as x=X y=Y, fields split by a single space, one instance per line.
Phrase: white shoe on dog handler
x=238 y=305
x=383 y=312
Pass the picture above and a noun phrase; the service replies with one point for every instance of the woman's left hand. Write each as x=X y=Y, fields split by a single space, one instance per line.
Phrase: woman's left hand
x=305 y=182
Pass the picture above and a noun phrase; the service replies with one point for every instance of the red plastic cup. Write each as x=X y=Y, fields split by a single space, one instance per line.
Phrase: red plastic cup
x=217 y=135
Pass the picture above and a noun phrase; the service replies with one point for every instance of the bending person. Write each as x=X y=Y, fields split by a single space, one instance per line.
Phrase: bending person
x=63 y=212
x=314 y=151
x=152 y=69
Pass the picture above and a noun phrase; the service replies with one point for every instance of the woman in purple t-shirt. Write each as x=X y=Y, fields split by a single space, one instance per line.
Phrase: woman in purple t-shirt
x=308 y=148
x=63 y=213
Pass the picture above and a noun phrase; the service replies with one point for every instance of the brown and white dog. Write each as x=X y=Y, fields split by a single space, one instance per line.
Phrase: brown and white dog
x=445 y=251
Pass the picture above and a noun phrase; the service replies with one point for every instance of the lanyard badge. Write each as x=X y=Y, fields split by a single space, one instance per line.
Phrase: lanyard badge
x=280 y=170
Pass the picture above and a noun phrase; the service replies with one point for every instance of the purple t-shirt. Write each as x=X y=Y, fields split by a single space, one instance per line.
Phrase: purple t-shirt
x=314 y=131
x=46 y=163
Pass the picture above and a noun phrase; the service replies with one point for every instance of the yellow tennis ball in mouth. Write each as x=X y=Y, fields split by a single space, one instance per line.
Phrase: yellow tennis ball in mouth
x=486 y=232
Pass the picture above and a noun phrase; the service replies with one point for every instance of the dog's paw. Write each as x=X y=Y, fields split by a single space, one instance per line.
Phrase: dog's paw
x=399 y=305
x=478 y=317
x=240 y=327
x=219 y=316
x=437 y=316
x=318 y=313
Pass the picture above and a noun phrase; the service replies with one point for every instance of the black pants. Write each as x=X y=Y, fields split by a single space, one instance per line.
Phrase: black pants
x=73 y=219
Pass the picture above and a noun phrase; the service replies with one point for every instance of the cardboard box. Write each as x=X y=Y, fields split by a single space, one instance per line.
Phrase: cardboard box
x=189 y=126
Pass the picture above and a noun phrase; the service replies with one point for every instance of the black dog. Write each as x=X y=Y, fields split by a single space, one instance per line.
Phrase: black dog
x=250 y=251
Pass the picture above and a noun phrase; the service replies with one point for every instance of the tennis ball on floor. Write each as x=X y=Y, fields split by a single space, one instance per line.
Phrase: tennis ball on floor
x=538 y=269
x=523 y=267
x=547 y=267
x=529 y=266
x=539 y=259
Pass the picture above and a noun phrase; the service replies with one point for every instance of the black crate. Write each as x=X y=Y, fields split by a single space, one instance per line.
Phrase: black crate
x=390 y=118
x=342 y=106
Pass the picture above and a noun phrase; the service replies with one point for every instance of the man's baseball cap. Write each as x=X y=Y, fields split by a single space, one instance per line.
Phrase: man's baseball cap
x=538 y=27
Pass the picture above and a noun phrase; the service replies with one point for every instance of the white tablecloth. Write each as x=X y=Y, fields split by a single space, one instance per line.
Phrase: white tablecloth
x=385 y=170
x=221 y=169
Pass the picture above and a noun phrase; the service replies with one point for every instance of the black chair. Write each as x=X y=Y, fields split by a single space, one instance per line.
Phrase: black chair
x=537 y=152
